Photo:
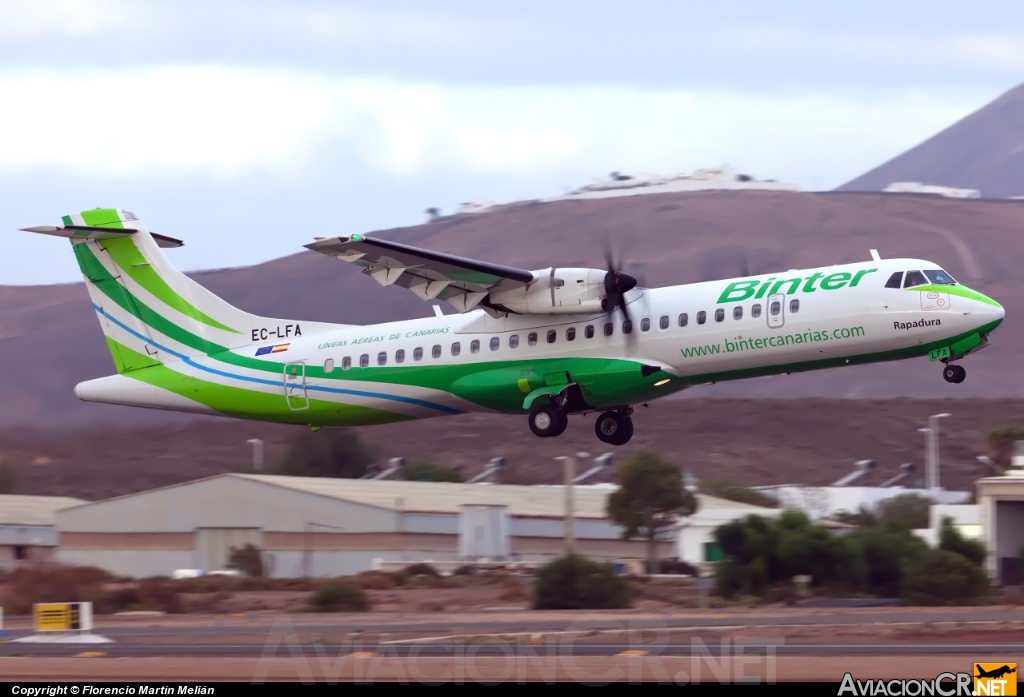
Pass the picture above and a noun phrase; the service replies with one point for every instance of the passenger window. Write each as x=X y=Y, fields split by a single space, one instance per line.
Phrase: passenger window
x=400 y=356
x=364 y=360
x=570 y=334
x=531 y=339
x=329 y=365
x=608 y=329
x=737 y=312
x=436 y=351
x=456 y=348
x=417 y=353
x=794 y=305
x=346 y=363
x=627 y=327
x=719 y=315
x=552 y=335
x=645 y=324
x=382 y=358
x=776 y=308
x=513 y=341
x=495 y=343
x=755 y=311
x=589 y=331
x=683 y=319
x=895 y=280
x=702 y=317
x=474 y=346
x=663 y=323
x=914 y=278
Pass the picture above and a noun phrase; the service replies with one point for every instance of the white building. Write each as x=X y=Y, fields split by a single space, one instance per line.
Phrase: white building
x=820 y=502
x=919 y=188
x=966 y=520
x=710 y=179
x=27 y=528
x=696 y=541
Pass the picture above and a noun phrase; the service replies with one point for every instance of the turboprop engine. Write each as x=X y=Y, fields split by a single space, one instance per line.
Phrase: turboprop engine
x=567 y=292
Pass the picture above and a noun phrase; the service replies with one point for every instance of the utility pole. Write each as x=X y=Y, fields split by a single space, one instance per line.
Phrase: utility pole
x=933 y=427
x=257 y=454
x=569 y=463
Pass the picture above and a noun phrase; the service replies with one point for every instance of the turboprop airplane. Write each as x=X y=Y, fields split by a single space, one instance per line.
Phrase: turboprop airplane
x=545 y=344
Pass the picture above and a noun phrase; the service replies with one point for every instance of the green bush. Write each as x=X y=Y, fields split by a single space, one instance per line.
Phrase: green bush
x=339 y=595
x=572 y=582
x=421 y=569
x=951 y=540
x=426 y=472
x=945 y=578
x=248 y=559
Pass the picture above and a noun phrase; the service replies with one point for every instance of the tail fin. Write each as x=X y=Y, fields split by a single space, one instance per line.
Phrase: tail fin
x=150 y=312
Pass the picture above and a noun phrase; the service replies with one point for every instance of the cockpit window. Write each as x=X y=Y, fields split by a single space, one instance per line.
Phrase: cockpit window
x=940 y=277
x=914 y=278
x=894 y=280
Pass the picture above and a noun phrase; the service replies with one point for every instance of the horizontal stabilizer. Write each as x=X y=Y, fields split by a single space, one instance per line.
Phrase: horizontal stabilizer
x=85 y=232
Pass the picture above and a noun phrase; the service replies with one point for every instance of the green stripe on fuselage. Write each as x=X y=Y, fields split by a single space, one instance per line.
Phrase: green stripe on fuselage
x=128 y=257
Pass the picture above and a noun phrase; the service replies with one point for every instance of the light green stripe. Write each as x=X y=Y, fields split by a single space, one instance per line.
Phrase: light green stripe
x=127 y=256
x=960 y=291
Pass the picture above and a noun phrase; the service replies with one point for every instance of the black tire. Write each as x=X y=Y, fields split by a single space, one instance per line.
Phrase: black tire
x=961 y=374
x=949 y=373
x=547 y=420
x=613 y=428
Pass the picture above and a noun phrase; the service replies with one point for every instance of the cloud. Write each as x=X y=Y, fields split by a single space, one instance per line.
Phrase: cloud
x=223 y=122
x=47 y=19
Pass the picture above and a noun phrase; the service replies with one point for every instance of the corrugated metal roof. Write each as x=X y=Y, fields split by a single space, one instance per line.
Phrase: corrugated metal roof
x=437 y=497
x=33 y=510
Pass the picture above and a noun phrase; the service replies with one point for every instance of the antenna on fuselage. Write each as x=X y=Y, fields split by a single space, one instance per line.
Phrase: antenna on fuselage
x=874 y=255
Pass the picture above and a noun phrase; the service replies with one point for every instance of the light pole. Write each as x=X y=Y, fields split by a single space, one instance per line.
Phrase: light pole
x=933 y=425
x=257 y=453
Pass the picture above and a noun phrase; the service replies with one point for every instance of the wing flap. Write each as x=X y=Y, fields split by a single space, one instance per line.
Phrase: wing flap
x=463 y=282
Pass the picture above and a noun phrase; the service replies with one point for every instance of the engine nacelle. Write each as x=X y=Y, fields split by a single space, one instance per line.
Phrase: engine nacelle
x=557 y=292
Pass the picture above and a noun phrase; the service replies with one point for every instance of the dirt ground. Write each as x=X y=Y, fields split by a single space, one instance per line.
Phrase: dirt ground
x=745 y=441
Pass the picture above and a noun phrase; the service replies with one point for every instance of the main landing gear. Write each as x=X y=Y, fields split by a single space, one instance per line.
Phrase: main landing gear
x=614 y=427
x=547 y=420
x=954 y=373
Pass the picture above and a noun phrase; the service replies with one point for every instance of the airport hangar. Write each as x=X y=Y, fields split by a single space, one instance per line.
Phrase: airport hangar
x=312 y=526
x=27 y=528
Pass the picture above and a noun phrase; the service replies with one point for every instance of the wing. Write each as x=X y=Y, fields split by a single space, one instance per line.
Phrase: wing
x=465 y=283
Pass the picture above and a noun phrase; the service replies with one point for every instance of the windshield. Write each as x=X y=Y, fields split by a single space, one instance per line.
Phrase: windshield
x=940 y=277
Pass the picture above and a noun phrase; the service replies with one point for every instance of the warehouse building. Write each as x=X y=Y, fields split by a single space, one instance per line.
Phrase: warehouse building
x=28 y=533
x=333 y=527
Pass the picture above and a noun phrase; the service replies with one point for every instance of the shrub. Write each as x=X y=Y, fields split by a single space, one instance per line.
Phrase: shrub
x=675 y=566
x=726 y=489
x=572 y=582
x=28 y=586
x=339 y=595
x=375 y=581
x=425 y=472
x=945 y=578
x=248 y=559
x=470 y=570
x=951 y=540
x=159 y=594
x=421 y=569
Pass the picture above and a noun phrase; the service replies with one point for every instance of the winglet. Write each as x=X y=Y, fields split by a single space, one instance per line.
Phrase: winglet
x=874 y=255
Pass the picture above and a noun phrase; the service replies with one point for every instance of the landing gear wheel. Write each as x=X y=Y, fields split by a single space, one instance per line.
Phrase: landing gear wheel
x=614 y=428
x=954 y=373
x=547 y=420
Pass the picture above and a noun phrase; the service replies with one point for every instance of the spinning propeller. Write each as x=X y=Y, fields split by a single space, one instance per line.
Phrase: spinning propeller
x=616 y=285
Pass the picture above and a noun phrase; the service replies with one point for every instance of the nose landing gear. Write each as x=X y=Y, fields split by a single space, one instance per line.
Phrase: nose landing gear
x=954 y=373
x=614 y=427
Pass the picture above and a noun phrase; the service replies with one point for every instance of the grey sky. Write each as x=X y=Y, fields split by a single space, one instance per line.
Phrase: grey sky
x=247 y=128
